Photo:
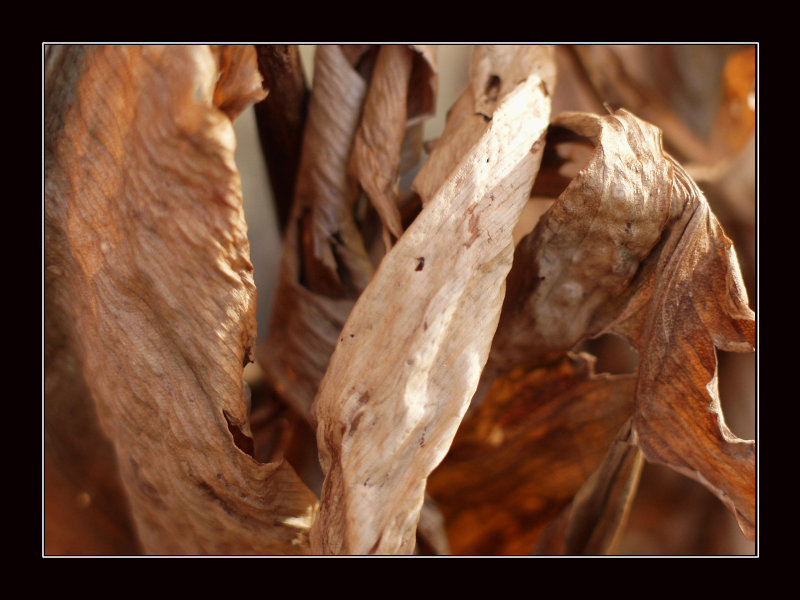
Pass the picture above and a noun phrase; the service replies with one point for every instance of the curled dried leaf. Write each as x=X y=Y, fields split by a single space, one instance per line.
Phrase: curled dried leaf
x=324 y=265
x=631 y=247
x=393 y=396
x=325 y=262
x=519 y=460
x=586 y=249
x=377 y=148
x=142 y=184
x=281 y=119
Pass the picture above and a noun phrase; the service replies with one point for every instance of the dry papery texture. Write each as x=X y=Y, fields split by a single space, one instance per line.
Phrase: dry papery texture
x=629 y=248
x=281 y=119
x=433 y=367
x=410 y=355
x=148 y=274
x=330 y=249
x=703 y=98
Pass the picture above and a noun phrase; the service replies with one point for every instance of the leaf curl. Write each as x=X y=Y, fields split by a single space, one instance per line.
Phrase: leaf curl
x=325 y=264
x=408 y=382
x=142 y=187
x=519 y=460
x=631 y=247
x=377 y=148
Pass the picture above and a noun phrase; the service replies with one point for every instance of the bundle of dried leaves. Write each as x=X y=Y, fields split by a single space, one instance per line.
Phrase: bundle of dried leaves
x=424 y=389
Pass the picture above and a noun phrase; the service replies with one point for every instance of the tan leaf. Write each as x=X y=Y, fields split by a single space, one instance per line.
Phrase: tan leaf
x=142 y=188
x=490 y=72
x=322 y=244
x=377 y=148
x=519 y=460
x=325 y=264
x=394 y=394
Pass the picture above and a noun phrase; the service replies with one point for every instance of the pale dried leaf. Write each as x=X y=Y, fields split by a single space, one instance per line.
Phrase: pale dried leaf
x=492 y=75
x=394 y=394
x=142 y=184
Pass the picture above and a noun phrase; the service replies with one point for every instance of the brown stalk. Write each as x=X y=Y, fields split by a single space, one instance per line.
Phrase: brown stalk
x=281 y=119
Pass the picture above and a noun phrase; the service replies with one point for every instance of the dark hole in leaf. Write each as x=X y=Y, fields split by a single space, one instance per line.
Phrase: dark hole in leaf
x=242 y=441
x=492 y=88
x=737 y=392
x=614 y=354
x=565 y=154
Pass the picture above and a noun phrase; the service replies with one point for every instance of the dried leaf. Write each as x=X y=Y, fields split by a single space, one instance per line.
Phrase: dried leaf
x=632 y=248
x=519 y=460
x=393 y=395
x=322 y=244
x=325 y=262
x=85 y=506
x=595 y=517
x=462 y=131
x=281 y=118
x=142 y=187
x=608 y=68
x=377 y=148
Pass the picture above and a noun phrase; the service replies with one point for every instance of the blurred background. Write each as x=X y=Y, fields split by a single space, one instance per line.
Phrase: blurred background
x=703 y=97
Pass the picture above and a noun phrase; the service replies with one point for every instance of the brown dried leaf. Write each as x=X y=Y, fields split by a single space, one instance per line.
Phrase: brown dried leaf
x=595 y=517
x=632 y=248
x=524 y=454
x=393 y=395
x=377 y=148
x=281 y=119
x=324 y=265
x=615 y=82
x=587 y=248
x=85 y=506
x=142 y=187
